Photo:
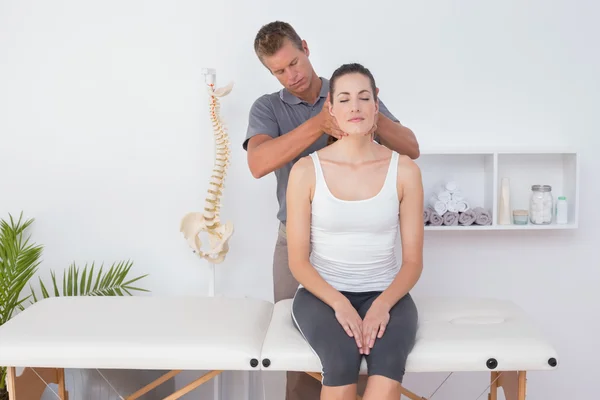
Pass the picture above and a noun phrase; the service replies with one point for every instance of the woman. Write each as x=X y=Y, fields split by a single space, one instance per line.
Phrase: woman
x=345 y=205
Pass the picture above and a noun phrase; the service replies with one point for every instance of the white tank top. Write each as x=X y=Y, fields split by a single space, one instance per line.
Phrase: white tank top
x=353 y=242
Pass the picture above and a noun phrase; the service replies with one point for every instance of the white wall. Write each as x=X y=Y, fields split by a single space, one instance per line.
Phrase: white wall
x=105 y=140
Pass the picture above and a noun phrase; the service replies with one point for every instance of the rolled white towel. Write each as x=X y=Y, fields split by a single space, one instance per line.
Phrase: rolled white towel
x=443 y=195
x=451 y=206
x=457 y=195
x=451 y=186
x=440 y=207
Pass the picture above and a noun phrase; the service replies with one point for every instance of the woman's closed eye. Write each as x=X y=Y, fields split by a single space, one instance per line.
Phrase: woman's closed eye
x=364 y=99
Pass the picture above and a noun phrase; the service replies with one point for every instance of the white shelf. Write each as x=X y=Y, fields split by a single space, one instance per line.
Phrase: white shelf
x=529 y=227
x=478 y=172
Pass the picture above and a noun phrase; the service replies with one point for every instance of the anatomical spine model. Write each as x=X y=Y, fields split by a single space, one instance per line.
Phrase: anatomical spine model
x=208 y=221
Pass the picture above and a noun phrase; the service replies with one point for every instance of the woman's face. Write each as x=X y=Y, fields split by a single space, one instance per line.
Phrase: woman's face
x=354 y=106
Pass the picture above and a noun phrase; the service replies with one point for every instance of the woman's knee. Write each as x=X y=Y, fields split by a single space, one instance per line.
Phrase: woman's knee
x=341 y=365
x=389 y=364
x=389 y=355
x=338 y=353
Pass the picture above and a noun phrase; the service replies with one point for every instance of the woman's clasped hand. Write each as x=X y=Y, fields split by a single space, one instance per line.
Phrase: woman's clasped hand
x=364 y=331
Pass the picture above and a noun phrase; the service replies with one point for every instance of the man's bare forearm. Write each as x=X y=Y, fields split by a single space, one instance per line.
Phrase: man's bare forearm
x=397 y=137
x=274 y=153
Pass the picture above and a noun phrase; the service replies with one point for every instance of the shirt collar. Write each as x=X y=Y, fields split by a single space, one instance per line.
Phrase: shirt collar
x=289 y=98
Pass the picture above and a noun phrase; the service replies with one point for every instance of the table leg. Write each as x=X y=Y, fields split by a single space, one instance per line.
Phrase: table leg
x=493 y=386
x=522 y=385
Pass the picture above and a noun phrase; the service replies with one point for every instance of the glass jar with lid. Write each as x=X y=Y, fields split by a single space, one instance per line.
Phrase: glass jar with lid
x=541 y=205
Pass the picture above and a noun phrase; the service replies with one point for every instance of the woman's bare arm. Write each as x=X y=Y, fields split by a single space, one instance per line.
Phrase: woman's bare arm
x=410 y=188
x=300 y=186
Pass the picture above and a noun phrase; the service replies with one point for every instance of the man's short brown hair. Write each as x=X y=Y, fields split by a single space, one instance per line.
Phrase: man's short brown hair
x=271 y=37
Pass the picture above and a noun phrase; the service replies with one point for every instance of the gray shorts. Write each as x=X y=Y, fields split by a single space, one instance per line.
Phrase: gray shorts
x=338 y=352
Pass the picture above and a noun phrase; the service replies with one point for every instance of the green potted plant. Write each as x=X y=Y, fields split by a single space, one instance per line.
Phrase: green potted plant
x=19 y=261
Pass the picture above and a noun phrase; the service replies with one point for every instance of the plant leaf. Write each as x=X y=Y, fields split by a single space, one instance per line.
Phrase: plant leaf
x=114 y=281
x=19 y=261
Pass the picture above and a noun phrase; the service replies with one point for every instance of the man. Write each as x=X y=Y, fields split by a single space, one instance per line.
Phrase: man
x=289 y=124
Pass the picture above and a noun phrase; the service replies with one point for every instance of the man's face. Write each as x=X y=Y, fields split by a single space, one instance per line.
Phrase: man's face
x=291 y=67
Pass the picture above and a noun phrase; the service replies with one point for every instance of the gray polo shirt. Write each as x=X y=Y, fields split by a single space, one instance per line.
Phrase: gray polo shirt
x=276 y=114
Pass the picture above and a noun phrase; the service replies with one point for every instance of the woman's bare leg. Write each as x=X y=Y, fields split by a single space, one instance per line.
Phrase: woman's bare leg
x=346 y=392
x=382 y=388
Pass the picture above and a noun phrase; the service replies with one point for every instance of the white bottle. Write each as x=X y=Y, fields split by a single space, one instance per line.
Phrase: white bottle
x=562 y=209
x=504 y=203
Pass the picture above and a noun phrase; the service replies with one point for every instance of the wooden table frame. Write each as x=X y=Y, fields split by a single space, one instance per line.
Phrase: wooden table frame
x=29 y=386
x=512 y=383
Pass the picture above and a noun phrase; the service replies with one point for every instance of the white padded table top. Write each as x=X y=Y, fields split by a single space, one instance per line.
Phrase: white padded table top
x=138 y=332
x=455 y=334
